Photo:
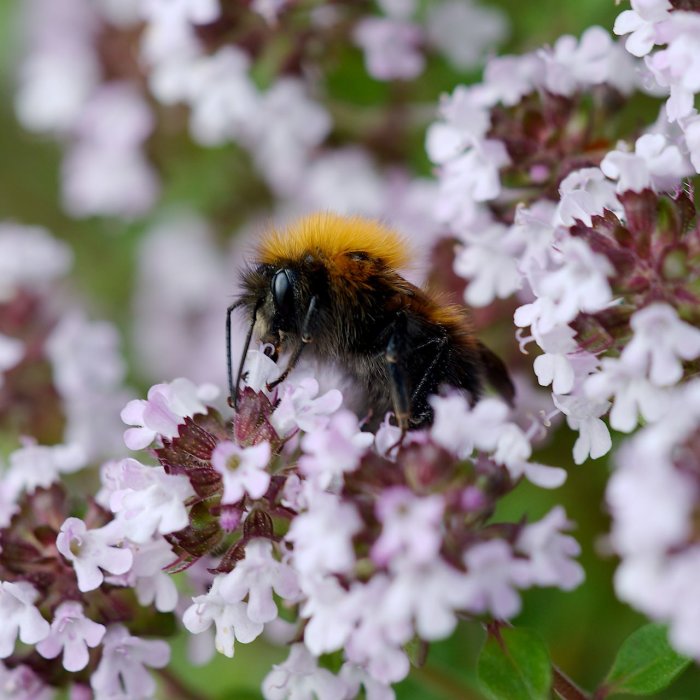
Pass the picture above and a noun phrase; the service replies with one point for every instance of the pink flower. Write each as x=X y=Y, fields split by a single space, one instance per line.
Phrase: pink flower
x=92 y=551
x=550 y=552
x=122 y=669
x=492 y=575
x=72 y=633
x=243 y=470
x=20 y=617
x=299 y=409
x=164 y=410
x=21 y=683
x=411 y=527
x=391 y=48
x=336 y=449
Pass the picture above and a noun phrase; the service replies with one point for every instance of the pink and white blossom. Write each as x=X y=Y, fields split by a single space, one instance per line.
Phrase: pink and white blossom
x=21 y=618
x=229 y=616
x=92 y=552
x=301 y=677
x=550 y=552
x=257 y=576
x=162 y=413
x=122 y=668
x=72 y=633
x=410 y=527
x=243 y=470
x=334 y=450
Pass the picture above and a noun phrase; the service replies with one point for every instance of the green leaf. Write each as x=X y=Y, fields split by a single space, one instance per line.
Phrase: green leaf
x=645 y=664
x=515 y=665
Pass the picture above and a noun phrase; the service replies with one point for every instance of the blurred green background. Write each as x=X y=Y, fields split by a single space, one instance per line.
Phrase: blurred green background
x=583 y=629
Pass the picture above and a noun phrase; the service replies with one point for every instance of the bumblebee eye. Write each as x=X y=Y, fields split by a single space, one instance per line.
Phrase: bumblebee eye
x=283 y=292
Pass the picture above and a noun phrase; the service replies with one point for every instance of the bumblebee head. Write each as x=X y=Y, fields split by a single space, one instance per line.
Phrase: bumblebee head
x=302 y=272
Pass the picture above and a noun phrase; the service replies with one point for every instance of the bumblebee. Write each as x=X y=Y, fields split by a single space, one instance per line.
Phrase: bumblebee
x=329 y=285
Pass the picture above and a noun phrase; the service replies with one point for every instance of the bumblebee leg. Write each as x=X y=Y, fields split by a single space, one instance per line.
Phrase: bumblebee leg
x=233 y=389
x=441 y=343
x=306 y=338
x=397 y=376
x=229 y=358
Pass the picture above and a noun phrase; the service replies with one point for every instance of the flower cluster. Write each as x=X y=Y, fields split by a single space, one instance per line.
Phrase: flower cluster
x=598 y=240
x=72 y=586
x=654 y=498
x=366 y=544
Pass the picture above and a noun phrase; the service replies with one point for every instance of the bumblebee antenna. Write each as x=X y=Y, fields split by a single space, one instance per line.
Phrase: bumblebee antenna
x=233 y=391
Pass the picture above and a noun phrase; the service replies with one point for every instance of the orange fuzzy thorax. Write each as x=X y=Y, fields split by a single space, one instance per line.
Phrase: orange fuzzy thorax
x=330 y=237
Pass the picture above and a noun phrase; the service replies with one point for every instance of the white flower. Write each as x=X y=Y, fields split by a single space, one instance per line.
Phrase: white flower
x=459 y=428
x=514 y=450
x=147 y=500
x=553 y=366
x=464 y=31
x=11 y=352
x=222 y=96
x=256 y=576
x=428 y=596
x=580 y=284
x=655 y=163
x=570 y=65
x=30 y=257
x=583 y=415
x=633 y=394
x=19 y=616
x=640 y=23
x=322 y=537
x=660 y=341
x=38 y=466
x=153 y=586
x=584 y=193
x=301 y=677
x=230 y=618
x=490 y=264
